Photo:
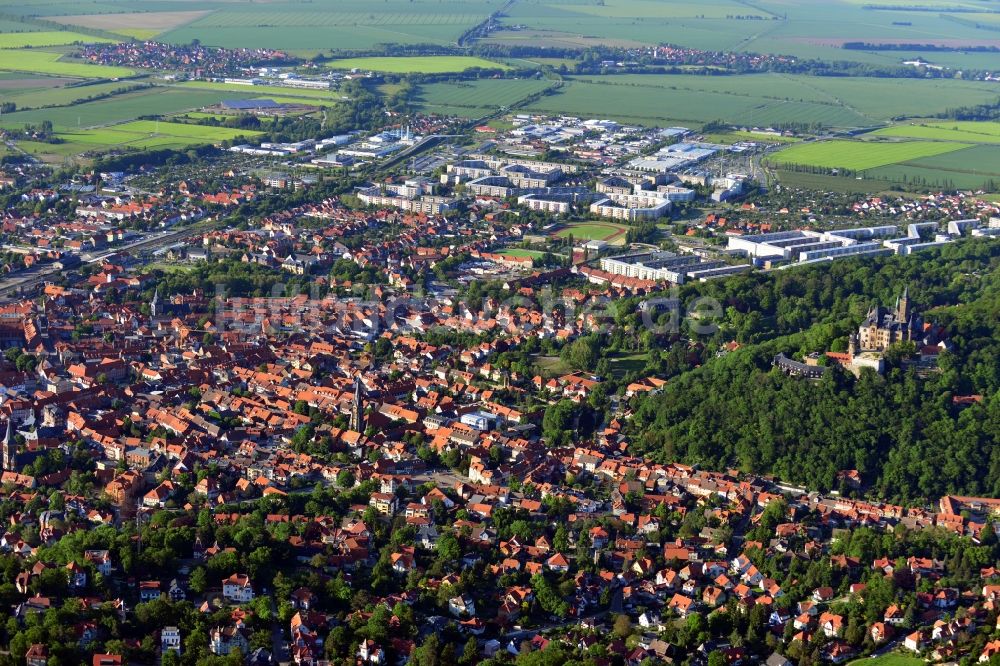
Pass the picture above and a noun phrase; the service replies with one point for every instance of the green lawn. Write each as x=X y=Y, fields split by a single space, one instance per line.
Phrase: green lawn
x=551 y=366
x=890 y=659
x=520 y=252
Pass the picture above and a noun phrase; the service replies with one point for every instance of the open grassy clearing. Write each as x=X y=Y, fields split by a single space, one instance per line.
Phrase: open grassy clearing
x=140 y=135
x=551 y=366
x=623 y=364
x=45 y=62
x=418 y=64
x=21 y=40
x=860 y=155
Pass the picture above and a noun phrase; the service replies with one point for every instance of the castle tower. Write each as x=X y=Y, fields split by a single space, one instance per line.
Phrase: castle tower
x=358 y=408
x=903 y=307
x=852 y=345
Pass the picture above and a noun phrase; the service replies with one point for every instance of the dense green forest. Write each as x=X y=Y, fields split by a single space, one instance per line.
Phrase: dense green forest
x=901 y=430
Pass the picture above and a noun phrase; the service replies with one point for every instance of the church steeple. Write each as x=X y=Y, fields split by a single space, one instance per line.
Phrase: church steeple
x=9 y=446
x=358 y=408
x=154 y=305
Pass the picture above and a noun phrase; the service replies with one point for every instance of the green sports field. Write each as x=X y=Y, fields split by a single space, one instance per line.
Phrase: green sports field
x=605 y=231
x=520 y=253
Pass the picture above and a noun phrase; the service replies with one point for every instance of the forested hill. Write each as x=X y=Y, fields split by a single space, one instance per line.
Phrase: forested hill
x=902 y=431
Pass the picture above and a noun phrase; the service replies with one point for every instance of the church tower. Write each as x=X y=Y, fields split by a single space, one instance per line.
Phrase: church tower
x=358 y=408
x=154 y=305
x=9 y=447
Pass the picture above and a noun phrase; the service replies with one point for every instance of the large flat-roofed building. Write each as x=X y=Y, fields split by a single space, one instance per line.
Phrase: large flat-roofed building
x=658 y=265
x=528 y=177
x=808 y=245
x=559 y=204
x=631 y=207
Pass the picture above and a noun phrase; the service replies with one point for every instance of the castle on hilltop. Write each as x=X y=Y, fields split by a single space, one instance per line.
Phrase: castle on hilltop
x=887 y=326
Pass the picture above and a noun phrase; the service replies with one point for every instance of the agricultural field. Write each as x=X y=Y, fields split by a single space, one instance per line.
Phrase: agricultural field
x=860 y=155
x=45 y=62
x=935 y=162
x=418 y=64
x=140 y=25
x=808 y=29
x=972 y=168
x=122 y=108
x=605 y=231
x=37 y=97
x=967 y=131
x=350 y=25
x=20 y=40
x=476 y=98
x=759 y=99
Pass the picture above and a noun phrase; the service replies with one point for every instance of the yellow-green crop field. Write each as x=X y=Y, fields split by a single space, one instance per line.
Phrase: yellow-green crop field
x=45 y=62
x=861 y=155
